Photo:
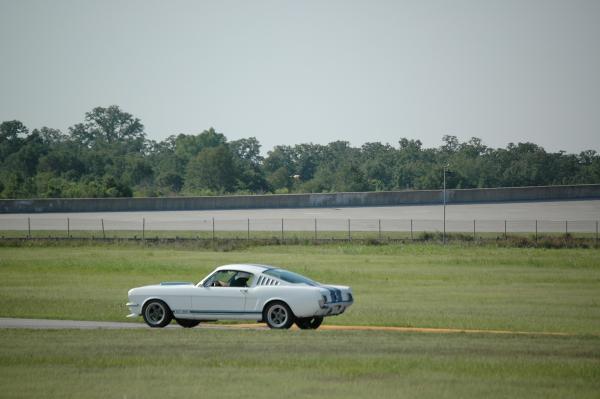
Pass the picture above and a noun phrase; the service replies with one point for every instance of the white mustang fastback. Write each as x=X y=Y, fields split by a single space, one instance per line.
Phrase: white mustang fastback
x=241 y=292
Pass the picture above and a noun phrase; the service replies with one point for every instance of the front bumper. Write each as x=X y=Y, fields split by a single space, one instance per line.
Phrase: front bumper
x=134 y=309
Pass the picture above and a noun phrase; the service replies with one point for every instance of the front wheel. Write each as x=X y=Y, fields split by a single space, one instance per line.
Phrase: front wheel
x=156 y=313
x=187 y=323
x=309 y=323
x=278 y=315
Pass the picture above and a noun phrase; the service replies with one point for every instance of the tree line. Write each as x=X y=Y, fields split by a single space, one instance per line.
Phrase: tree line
x=109 y=155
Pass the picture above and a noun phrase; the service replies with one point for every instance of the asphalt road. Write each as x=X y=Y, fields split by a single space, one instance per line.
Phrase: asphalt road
x=44 y=324
x=303 y=218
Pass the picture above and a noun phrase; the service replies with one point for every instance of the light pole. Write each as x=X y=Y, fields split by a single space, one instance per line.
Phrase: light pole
x=445 y=170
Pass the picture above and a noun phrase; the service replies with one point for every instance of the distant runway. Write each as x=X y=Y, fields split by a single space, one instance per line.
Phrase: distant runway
x=269 y=219
x=557 y=210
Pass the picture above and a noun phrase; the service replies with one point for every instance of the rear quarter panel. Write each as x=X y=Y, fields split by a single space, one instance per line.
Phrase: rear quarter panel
x=304 y=301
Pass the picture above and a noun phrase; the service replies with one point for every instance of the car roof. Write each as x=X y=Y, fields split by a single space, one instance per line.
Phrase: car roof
x=246 y=267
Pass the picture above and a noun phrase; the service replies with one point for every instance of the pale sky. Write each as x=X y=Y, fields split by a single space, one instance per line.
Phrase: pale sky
x=293 y=72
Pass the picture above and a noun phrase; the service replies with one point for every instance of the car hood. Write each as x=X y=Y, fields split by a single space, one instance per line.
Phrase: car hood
x=162 y=286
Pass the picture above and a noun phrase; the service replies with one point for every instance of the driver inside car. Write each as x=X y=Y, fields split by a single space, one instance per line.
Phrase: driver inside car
x=239 y=279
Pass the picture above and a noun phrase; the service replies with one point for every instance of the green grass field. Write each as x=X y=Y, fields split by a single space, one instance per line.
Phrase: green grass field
x=300 y=364
x=420 y=285
x=409 y=285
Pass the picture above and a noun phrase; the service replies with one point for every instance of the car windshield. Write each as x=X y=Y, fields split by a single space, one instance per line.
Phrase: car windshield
x=289 y=277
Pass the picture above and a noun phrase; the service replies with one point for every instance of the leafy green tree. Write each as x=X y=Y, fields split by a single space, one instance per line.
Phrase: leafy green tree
x=349 y=177
x=306 y=158
x=12 y=130
x=106 y=126
x=50 y=137
x=411 y=164
x=279 y=167
x=108 y=154
x=212 y=169
x=378 y=163
x=280 y=179
x=114 y=188
x=12 y=134
x=451 y=144
x=188 y=146
x=281 y=156
x=248 y=164
x=62 y=159
x=171 y=181
x=247 y=150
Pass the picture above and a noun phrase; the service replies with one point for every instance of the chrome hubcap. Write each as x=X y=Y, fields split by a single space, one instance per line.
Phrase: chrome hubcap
x=277 y=316
x=155 y=313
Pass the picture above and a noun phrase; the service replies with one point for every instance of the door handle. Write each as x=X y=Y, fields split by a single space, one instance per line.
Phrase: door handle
x=244 y=291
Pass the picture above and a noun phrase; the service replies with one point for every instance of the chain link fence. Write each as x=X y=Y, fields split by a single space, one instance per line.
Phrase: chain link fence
x=288 y=229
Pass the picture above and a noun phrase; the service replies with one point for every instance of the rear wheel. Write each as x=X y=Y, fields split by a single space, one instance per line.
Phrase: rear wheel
x=309 y=323
x=156 y=313
x=278 y=315
x=187 y=323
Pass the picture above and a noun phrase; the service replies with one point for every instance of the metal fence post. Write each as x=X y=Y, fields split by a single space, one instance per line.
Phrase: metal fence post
x=103 y=234
x=349 y=235
x=28 y=227
x=143 y=229
x=596 y=233
x=505 y=236
x=474 y=230
x=379 y=229
x=68 y=228
x=315 y=228
x=566 y=227
x=411 y=230
x=248 y=236
x=536 y=231
x=281 y=229
x=213 y=229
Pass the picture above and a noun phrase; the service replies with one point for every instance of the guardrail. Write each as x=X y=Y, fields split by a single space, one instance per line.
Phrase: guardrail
x=288 y=228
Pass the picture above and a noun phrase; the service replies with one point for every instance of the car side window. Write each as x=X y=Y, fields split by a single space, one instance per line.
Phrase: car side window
x=230 y=278
x=220 y=279
x=241 y=279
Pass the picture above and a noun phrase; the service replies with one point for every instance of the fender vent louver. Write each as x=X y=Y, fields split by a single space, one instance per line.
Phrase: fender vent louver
x=266 y=281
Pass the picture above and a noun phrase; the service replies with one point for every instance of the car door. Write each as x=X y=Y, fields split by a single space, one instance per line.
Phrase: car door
x=254 y=299
x=217 y=300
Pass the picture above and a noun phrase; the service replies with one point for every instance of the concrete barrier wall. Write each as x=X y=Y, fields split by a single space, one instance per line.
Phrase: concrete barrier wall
x=417 y=197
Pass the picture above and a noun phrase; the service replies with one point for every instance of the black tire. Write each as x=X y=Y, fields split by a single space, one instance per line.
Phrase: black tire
x=187 y=323
x=309 y=323
x=156 y=313
x=278 y=315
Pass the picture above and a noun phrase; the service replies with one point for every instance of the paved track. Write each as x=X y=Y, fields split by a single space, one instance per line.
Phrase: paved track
x=44 y=324
x=270 y=219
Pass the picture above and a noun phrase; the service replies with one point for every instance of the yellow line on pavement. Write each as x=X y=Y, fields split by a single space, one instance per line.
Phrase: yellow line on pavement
x=413 y=330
